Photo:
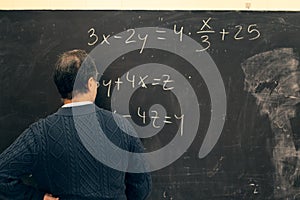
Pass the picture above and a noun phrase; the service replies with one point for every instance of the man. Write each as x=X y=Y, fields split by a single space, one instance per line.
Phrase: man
x=52 y=152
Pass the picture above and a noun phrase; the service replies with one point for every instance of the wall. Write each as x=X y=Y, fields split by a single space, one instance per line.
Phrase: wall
x=292 y=5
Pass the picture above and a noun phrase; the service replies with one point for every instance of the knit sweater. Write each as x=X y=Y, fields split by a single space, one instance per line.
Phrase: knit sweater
x=52 y=152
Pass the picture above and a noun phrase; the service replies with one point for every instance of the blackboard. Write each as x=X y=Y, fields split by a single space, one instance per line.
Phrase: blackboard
x=253 y=55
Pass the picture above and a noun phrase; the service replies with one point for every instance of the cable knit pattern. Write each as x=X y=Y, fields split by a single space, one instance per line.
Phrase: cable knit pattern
x=51 y=151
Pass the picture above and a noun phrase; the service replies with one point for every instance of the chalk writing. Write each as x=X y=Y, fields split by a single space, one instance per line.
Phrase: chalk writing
x=108 y=85
x=92 y=31
x=105 y=39
x=142 y=81
x=144 y=39
x=157 y=119
x=223 y=33
x=238 y=32
x=181 y=125
x=205 y=29
x=205 y=32
x=160 y=32
x=205 y=40
x=236 y=36
x=132 y=81
x=180 y=32
x=130 y=36
x=254 y=30
x=165 y=81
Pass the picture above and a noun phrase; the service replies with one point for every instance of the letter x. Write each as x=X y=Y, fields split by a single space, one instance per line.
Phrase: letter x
x=105 y=39
x=142 y=81
x=205 y=24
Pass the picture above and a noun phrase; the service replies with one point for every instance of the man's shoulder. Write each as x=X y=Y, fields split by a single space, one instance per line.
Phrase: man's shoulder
x=115 y=120
x=44 y=122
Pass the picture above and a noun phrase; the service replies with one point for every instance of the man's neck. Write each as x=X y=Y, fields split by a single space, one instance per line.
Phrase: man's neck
x=76 y=99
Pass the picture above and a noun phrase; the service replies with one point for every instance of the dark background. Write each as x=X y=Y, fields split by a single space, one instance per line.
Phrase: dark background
x=240 y=165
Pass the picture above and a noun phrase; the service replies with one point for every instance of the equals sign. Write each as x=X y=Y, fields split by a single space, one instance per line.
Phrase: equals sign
x=160 y=32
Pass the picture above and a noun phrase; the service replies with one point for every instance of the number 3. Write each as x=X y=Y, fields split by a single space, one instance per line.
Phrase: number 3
x=93 y=35
x=205 y=39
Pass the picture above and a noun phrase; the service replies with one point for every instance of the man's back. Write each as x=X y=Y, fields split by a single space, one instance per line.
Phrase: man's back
x=52 y=151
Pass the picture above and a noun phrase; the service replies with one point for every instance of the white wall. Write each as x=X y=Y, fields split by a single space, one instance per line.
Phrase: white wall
x=291 y=5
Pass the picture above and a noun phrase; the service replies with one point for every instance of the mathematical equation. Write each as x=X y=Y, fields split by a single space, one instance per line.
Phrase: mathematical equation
x=205 y=31
x=139 y=81
x=157 y=118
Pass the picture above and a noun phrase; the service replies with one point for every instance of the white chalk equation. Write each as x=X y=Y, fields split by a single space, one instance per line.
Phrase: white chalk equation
x=157 y=118
x=138 y=81
x=155 y=95
x=238 y=32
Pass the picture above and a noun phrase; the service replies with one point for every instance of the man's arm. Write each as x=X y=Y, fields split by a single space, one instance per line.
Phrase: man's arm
x=17 y=161
x=138 y=185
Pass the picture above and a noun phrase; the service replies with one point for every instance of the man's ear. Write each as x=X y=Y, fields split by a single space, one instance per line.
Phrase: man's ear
x=90 y=84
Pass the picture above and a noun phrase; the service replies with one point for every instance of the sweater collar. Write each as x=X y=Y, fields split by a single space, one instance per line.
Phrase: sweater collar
x=78 y=110
x=73 y=104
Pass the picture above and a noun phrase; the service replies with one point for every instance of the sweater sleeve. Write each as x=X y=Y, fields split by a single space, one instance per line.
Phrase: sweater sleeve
x=16 y=162
x=138 y=185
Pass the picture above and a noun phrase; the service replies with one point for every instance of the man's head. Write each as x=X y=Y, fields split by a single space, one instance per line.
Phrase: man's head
x=75 y=76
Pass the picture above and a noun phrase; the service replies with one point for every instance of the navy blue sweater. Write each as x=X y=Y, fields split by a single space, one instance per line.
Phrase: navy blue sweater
x=51 y=151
